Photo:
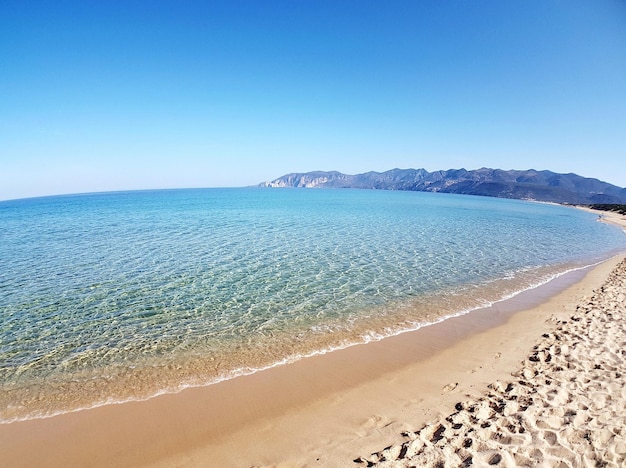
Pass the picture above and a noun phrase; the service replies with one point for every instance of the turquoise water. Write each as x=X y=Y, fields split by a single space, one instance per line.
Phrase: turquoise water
x=119 y=296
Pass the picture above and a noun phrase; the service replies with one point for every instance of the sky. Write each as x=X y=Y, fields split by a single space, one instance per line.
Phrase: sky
x=100 y=96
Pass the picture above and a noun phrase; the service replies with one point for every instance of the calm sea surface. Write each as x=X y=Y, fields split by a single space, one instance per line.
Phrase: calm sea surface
x=119 y=296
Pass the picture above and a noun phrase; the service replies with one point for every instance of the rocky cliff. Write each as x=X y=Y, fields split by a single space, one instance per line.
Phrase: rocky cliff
x=529 y=184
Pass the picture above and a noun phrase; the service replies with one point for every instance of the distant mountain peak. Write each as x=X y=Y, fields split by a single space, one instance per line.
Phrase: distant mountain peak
x=528 y=184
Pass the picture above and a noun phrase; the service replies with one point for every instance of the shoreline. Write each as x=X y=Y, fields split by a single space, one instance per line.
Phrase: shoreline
x=150 y=334
x=469 y=307
x=562 y=406
x=610 y=217
x=289 y=360
x=327 y=409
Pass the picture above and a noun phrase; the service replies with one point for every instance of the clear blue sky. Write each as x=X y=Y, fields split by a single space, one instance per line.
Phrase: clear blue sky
x=99 y=96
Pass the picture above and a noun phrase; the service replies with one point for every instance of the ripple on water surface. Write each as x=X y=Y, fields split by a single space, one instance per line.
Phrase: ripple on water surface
x=108 y=297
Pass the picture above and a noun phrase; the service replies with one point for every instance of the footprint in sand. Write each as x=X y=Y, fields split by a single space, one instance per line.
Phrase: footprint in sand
x=450 y=387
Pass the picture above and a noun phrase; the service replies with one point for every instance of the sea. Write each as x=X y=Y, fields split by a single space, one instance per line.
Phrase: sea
x=114 y=297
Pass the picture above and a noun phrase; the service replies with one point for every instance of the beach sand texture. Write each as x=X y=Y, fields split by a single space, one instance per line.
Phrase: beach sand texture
x=565 y=406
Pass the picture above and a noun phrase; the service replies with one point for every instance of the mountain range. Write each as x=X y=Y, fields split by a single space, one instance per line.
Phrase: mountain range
x=529 y=184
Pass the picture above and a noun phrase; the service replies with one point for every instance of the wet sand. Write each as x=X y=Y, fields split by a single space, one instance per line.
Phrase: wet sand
x=326 y=410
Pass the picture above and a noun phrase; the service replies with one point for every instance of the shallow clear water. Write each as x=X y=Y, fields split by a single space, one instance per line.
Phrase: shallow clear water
x=116 y=296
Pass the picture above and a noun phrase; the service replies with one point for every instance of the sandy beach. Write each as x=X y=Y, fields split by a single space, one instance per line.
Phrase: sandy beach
x=537 y=380
x=563 y=407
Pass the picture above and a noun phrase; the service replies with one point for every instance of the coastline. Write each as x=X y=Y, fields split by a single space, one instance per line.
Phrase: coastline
x=205 y=305
x=467 y=306
x=326 y=410
x=562 y=406
x=610 y=217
